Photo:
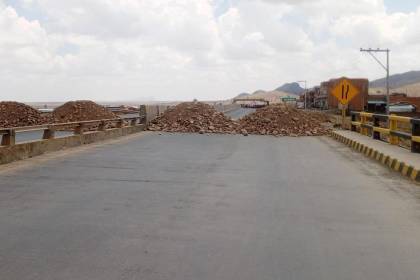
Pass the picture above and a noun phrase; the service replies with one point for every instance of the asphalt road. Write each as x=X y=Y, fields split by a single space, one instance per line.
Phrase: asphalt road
x=196 y=207
x=239 y=113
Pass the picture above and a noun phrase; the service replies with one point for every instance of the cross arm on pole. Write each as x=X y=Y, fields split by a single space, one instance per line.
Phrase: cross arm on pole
x=377 y=60
x=385 y=67
x=372 y=51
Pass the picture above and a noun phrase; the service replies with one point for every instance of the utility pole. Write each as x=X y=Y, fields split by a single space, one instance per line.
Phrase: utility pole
x=305 y=90
x=386 y=68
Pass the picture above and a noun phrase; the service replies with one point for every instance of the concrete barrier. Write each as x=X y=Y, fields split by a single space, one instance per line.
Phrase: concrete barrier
x=26 y=150
x=393 y=161
x=153 y=111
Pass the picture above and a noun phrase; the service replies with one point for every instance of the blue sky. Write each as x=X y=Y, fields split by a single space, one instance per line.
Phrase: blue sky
x=402 y=5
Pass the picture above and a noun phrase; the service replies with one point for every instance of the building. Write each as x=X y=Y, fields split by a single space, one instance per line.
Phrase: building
x=400 y=104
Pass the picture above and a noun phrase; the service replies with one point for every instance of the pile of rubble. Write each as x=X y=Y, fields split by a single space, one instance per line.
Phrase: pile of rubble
x=75 y=111
x=14 y=114
x=281 y=120
x=193 y=117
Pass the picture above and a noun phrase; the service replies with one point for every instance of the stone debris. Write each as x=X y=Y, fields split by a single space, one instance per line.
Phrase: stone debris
x=193 y=117
x=189 y=117
x=14 y=114
x=276 y=120
x=75 y=111
x=281 y=120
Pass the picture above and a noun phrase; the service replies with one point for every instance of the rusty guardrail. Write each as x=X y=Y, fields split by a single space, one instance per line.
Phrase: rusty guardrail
x=379 y=125
x=8 y=135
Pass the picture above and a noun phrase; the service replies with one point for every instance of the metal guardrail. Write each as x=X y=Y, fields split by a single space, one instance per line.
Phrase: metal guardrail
x=369 y=123
x=8 y=135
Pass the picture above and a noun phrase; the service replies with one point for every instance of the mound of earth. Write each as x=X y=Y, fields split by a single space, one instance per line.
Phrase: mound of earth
x=280 y=120
x=193 y=117
x=14 y=114
x=75 y=111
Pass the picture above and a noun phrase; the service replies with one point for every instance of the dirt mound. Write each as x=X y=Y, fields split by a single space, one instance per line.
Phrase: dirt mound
x=280 y=120
x=193 y=117
x=75 y=111
x=14 y=114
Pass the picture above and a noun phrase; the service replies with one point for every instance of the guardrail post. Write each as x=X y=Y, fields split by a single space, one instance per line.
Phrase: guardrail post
x=79 y=130
x=133 y=122
x=49 y=133
x=120 y=123
x=376 y=134
x=415 y=131
x=102 y=126
x=353 y=119
x=393 y=126
x=143 y=114
x=363 y=129
x=9 y=139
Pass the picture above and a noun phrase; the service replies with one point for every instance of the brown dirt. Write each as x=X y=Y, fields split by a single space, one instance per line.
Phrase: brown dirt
x=82 y=110
x=193 y=117
x=14 y=114
x=280 y=120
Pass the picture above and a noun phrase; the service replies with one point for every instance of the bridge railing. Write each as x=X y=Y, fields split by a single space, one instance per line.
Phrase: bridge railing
x=8 y=135
x=396 y=130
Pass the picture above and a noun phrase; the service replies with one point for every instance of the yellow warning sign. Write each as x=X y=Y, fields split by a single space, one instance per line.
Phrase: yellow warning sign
x=345 y=91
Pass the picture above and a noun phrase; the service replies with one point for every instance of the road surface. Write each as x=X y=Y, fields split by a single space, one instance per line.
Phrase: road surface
x=196 y=207
x=239 y=113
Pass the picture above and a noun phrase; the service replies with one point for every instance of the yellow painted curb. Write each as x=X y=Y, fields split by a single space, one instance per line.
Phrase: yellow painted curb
x=392 y=163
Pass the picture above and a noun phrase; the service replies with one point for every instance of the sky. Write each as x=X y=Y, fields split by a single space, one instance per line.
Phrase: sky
x=138 y=50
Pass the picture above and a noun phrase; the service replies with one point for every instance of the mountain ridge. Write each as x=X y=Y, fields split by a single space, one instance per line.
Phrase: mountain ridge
x=398 y=80
x=287 y=89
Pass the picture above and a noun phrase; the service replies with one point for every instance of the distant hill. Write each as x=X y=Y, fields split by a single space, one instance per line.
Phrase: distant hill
x=274 y=96
x=243 y=95
x=293 y=88
x=398 y=80
x=408 y=83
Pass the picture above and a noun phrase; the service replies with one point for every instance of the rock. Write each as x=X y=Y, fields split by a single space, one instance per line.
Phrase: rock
x=277 y=120
x=14 y=114
x=282 y=120
x=194 y=117
x=82 y=110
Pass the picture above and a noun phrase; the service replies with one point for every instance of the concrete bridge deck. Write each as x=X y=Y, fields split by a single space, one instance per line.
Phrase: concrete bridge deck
x=196 y=207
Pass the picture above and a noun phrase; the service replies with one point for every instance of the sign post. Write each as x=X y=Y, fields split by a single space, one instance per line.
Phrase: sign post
x=344 y=91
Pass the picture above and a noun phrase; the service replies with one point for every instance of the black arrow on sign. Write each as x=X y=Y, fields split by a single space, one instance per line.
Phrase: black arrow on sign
x=345 y=93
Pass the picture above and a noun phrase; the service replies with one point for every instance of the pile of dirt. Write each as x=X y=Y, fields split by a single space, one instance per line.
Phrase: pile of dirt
x=193 y=117
x=14 y=114
x=280 y=120
x=82 y=110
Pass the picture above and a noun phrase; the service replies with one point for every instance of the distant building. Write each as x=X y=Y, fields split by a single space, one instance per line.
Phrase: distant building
x=399 y=103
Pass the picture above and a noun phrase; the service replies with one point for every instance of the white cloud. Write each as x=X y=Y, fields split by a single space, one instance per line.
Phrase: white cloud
x=183 y=49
